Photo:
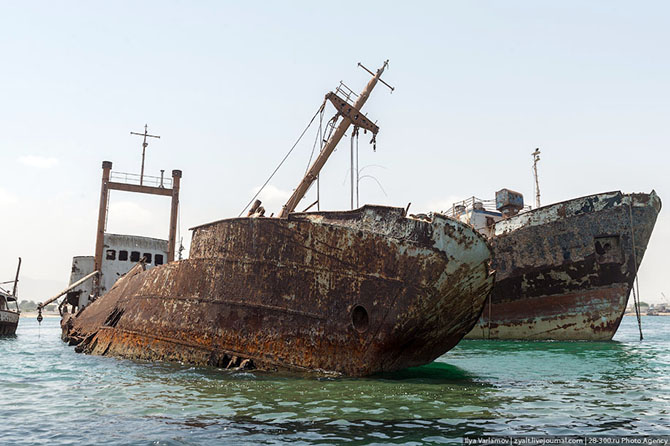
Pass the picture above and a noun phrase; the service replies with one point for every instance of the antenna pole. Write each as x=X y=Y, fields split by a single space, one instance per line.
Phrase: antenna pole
x=144 y=148
x=328 y=149
x=536 y=158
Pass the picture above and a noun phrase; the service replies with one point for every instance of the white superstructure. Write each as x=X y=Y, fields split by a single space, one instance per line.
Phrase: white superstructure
x=121 y=252
x=484 y=214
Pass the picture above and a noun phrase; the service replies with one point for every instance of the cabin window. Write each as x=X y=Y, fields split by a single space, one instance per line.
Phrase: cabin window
x=134 y=256
x=111 y=254
x=159 y=259
x=147 y=257
x=123 y=255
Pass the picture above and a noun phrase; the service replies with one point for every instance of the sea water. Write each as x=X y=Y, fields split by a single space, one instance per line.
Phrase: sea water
x=51 y=395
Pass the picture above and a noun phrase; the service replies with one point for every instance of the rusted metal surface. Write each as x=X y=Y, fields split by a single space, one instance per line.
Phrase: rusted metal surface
x=355 y=293
x=349 y=111
x=566 y=271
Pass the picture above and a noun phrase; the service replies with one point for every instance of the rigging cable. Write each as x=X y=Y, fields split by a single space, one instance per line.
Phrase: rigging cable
x=285 y=157
x=636 y=296
x=318 y=184
x=358 y=172
x=352 y=167
x=316 y=139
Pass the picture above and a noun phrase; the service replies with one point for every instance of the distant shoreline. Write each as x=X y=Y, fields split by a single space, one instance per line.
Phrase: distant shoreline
x=33 y=314
x=56 y=315
x=632 y=313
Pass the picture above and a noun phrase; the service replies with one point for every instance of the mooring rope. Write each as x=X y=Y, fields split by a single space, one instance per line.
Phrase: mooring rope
x=636 y=296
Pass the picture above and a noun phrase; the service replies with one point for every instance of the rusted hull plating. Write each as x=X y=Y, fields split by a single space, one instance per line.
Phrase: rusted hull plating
x=355 y=292
x=565 y=271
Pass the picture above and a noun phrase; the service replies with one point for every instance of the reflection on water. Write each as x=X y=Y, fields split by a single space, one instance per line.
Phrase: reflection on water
x=480 y=387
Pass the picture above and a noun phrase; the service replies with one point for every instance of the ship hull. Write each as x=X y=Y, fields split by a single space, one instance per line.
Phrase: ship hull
x=354 y=293
x=566 y=271
x=9 y=321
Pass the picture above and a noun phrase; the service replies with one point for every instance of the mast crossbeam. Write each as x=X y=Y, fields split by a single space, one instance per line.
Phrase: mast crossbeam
x=349 y=111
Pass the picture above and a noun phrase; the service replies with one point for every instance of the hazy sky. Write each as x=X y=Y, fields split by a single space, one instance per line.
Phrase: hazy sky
x=230 y=85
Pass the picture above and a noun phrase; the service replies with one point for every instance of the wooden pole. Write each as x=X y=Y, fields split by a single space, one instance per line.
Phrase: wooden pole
x=176 y=177
x=69 y=287
x=16 y=279
x=328 y=149
x=536 y=158
x=102 y=216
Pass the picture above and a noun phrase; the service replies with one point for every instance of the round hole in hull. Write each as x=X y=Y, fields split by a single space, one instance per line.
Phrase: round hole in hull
x=360 y=319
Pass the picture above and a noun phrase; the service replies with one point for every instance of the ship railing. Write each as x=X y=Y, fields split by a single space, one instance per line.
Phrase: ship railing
x=147 y=180
x=345 y=93
x=460 y=207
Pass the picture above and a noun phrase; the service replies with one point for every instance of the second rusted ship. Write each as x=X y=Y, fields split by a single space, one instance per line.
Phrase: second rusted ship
x=355 y=292
x=563 y=271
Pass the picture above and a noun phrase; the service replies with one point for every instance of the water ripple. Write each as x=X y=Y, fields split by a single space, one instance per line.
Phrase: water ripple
x=480 y=388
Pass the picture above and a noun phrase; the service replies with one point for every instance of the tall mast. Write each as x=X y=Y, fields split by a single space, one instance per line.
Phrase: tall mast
x=144 y=148
x=536 y=158
x=337 y=135
x=16 y=279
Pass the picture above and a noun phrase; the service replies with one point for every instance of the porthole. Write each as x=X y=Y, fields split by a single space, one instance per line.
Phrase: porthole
x=360 y=319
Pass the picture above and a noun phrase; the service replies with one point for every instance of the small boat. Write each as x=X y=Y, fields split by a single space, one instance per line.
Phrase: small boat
x=9 y=307
x=349 y=292
x=563 y=271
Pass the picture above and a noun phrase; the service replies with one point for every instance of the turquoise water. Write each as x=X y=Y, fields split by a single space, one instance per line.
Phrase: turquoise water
x=51 y=395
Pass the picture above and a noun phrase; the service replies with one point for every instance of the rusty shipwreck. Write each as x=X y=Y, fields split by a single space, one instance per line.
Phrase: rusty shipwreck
x=563 y=271
x=9 y=306
x=352 y=292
